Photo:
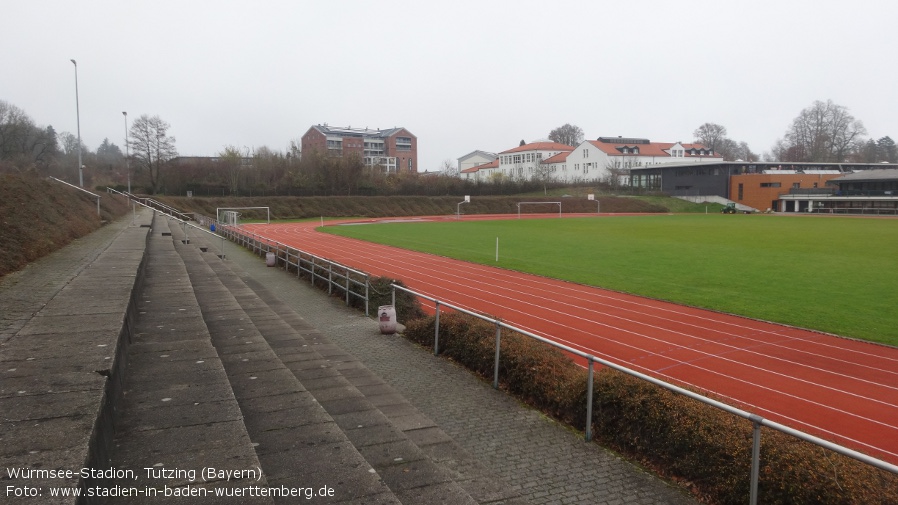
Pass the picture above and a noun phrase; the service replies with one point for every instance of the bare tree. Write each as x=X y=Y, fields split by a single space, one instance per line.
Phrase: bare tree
x=568 y=134
x=615 y=175
x=711 y=135
x=823 y=132
x=151 y=148
x=542 y=172
x=23 y=144
x=448 y=168
x=231 y=160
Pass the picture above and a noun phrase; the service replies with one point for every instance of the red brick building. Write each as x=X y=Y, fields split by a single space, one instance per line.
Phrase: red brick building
x=762 y=191
x=394 y=150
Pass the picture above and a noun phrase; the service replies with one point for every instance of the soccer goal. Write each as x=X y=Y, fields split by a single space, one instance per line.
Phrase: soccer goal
x=230 y=217
x=539 y=203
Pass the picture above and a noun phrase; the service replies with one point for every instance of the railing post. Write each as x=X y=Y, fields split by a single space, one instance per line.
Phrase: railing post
x=755 y=457
x=589 y=401
x=436 y=331
x=496 y=366
x=367 y=285
x=346 y=273
x=312 y=270
x=330 y=278
x=393 y=292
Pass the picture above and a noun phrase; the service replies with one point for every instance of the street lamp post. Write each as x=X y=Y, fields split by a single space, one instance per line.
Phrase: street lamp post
x=78 y=118
x=127 y=153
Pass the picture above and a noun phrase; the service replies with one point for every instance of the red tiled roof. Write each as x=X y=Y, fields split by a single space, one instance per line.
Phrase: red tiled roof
x=492 y=164
x=650 y=149
x=540 y=146
x=558 y=158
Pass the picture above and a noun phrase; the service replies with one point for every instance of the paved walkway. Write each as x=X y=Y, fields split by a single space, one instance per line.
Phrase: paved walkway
x=546 y=462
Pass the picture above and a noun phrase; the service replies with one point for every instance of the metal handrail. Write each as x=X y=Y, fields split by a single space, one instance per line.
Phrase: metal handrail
x=757 y=421
x=333 y=269
x=80 y=189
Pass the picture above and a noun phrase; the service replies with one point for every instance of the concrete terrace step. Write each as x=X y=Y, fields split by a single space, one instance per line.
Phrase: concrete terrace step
x=384 y=411
x=298 y=444
x=62 y=356
x=178 y=415
x=412 y=455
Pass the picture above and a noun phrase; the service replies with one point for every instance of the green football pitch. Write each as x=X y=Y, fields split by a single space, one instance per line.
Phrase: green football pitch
x=834 y=274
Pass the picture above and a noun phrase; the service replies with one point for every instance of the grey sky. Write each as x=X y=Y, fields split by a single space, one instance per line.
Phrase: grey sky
x=460 y=75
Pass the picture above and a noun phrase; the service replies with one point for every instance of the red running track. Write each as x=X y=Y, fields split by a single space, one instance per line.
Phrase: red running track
x=838 y=389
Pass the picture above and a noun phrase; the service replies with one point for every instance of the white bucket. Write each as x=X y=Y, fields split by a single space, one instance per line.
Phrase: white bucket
x=386 y=316
x=270 y=259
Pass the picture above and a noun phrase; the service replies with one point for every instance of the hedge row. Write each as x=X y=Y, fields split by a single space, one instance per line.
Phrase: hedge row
x=705 y=449
x=283 y=207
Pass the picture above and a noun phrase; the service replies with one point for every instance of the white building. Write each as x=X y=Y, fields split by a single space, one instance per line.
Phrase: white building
x=524 y=162
x=597 y=160
x=475 y=158
x=591 y=161
x=479 y=173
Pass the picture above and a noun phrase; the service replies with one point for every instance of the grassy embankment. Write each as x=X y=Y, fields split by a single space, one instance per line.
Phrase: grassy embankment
x=39 y=216
x=284 y=208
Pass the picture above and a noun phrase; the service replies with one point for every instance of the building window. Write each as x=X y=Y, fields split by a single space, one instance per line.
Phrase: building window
x=771 y=185
x=410 y=165
x=586 y=153
x=796 y=185
x=403 y=143
x=740 y=191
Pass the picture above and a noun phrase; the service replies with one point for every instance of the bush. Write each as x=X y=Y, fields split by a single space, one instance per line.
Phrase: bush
x=381 y=293
x=706 y=449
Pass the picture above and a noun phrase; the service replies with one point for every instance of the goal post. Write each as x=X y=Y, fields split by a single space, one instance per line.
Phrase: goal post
x=539 y=203
x=228 y=217
x=222 y=212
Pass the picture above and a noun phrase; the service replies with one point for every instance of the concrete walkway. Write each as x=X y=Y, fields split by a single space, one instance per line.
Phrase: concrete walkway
x=544 y=461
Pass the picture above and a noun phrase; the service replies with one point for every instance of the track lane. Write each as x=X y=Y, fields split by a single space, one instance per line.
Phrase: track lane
x=714 y=352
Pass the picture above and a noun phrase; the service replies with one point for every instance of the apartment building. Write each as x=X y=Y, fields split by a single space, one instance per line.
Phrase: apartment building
x=394 y=150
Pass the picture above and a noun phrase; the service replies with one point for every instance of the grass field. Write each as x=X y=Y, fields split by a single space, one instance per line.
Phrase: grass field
x=838 y=275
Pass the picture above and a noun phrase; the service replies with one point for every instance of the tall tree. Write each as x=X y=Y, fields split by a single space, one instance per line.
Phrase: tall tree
x=823 y=132
x=232 y=162
x=887 y=150
x=23 y=144
x=711 y=135
x=151 y=148
x=109 y=155
x=568 y=134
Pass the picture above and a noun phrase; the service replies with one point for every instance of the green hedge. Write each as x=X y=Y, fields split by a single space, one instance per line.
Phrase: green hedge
x=703 y=448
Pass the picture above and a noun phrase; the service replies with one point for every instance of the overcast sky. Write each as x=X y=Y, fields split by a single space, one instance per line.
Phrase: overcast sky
x=460 y=75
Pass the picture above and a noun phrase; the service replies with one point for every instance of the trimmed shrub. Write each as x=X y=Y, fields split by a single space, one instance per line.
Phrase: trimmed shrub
x=380 y=293
x=703 y=448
